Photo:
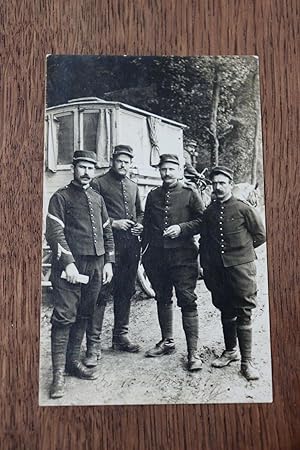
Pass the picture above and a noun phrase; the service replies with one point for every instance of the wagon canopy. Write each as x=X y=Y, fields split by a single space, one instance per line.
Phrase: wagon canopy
x=91 y=123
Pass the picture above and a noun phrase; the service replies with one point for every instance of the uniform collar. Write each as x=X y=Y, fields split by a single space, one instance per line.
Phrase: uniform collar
x=170 y=188
x=227 y=202
x=116 y=176
x=79 y=186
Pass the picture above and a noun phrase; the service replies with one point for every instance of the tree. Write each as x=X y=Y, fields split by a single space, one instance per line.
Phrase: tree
x=217 y=97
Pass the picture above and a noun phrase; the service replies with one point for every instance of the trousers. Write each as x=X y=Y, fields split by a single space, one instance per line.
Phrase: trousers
x=72 y=301
x=233 y=289
x=173 y=268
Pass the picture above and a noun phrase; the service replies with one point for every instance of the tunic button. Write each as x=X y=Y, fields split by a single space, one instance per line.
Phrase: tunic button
x=222 y=251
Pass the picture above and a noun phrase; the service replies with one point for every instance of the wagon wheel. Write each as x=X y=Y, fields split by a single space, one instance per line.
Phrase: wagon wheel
x=46 y=267
x=144 y=281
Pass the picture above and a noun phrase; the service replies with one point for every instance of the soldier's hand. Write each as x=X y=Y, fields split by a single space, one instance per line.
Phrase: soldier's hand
x=172 y=232
x=137 y=229
x=107 y=273
x=71 y=273
x=122 y=224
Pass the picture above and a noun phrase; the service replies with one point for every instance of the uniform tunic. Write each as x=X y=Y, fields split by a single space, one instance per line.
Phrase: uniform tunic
x=78 y=231
x=230 y=232
x=122 y=199
x=172 y=262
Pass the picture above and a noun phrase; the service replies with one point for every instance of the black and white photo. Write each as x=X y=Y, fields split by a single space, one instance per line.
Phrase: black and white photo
x=154 y=260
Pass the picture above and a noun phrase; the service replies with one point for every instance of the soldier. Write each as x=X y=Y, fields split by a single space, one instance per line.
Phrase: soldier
x=230 y=231
x=121 y=196
x=189 y=153
x=79 y=234
x=173 y=214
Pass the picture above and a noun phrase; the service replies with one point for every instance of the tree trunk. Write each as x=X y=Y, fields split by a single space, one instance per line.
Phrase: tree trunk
x=214 y=159
x=256 y=142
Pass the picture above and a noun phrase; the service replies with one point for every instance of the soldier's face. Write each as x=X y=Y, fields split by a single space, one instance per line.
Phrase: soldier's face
x=169 y=173
x=121 y=164
x=84 y=171
x=222 y=187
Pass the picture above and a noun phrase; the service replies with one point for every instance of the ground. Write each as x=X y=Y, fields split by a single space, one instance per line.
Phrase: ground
x=133 y=379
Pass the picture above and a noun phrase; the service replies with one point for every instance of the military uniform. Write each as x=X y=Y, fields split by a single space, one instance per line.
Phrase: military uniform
x=122 y=200
x=78 y=231
x=230 y=232
x=172 y=263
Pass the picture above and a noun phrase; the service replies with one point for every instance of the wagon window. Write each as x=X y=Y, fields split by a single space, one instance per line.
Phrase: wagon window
x=65 y=138
x=90 y=124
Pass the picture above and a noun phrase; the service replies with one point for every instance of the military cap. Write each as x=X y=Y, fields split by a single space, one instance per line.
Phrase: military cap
x=223 y=170
x=85 y=155
x=168 y=157
x=191 y=143
x=123 y=150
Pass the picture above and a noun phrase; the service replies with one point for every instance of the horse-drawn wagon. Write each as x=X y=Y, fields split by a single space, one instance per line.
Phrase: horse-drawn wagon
x=94 y=124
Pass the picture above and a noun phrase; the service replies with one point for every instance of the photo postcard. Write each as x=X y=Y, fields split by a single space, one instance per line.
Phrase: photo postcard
x=154 y=261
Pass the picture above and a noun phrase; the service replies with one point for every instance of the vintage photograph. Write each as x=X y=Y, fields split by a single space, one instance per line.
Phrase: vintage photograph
x=154 y=259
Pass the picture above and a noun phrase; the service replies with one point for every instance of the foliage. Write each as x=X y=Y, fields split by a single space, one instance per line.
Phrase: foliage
x=181 y=89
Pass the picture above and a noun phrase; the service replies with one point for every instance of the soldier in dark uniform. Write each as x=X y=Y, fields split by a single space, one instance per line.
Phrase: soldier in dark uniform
x=173 y=215
x=121 y=196
x=230 y=231
x=79 y=233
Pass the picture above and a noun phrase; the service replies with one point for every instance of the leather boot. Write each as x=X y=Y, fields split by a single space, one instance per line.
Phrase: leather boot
x=190 y=324
x=248 y=370
x=120 y=339
x=59 y=343
x=230 y=353
x=165 y=318
x=74 y=365
x=93 y=337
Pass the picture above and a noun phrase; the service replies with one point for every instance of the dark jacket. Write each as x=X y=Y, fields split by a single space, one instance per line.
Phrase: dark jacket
x=178 y=205
x=229 y=233
x=122 y=199
x=77 y=224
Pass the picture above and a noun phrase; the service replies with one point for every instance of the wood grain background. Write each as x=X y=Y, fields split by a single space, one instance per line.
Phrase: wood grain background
x=29 y=30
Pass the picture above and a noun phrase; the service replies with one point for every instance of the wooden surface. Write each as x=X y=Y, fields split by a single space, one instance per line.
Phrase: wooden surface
x=29 y=30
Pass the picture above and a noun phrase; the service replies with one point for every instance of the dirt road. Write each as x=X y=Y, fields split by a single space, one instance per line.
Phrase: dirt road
x=134 y=379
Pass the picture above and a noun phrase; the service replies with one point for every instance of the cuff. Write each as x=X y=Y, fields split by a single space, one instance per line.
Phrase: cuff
x=109 y=257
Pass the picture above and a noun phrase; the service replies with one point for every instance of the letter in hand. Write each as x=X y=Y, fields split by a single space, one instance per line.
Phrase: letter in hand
x=107 y=273
x=172 y=232
x=122 y=224
x=71 y=273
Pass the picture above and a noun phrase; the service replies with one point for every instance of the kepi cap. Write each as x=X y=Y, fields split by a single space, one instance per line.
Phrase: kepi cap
x=85 y=155
x=168 y=157
x=223 y=170
x=123 y=150
x=191 y=143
